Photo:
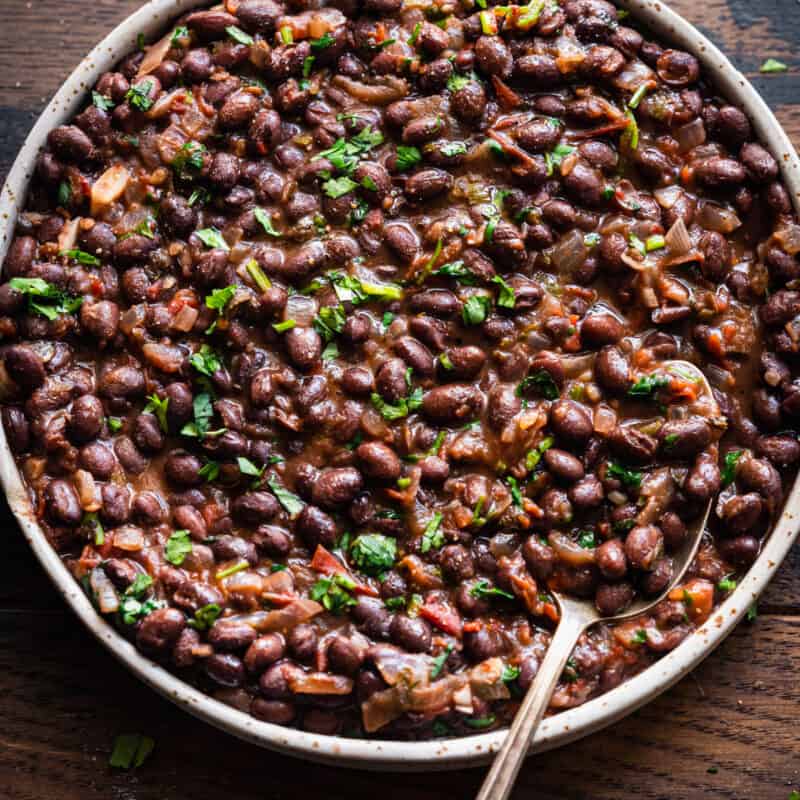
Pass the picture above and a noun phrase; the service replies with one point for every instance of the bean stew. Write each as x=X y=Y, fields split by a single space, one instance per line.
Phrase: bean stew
x=335 y=338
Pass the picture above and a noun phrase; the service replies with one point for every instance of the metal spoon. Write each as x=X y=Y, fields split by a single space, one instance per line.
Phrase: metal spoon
x=576 y=616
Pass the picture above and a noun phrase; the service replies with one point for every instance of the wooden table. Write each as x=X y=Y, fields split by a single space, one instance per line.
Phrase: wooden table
x=727 y=731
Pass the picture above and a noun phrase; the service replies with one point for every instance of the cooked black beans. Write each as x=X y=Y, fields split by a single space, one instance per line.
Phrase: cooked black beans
x=387 y=366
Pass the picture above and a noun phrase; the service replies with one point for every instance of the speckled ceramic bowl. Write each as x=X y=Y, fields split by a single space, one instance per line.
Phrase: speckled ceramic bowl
x=152 y=19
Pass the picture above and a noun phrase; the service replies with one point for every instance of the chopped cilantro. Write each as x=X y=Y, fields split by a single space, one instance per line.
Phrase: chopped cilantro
x=206 y=361
x=292 y=504
x=373 y=553
x=265 y=221
x=540 y=381
x=238 y=35
x=189 y=157
x=212 y=238
x=534 y=456
x=475 y=309
x=626 y=476
x=44 y=298
x=507 y=297
x=205 y=617
x=729 y=469
x=334 y=593
x=407 y=157
x=139 y=95
x=330 y=321
x=483 y=589
x=338 y=187
x=178 y=546
x=587 y=540
x=87 y=259
x=403 y=408
x=158 y=406
x=102 y=102
x=437 y=665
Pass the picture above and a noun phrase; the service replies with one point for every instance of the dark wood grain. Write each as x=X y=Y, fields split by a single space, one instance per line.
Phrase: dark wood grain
x=727 y=731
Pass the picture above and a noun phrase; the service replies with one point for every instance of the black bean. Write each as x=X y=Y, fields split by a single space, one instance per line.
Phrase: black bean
x=410 y=633
x=159 y=630
x=61 y=503
x=613 y=598
x=427 y=184
x=25 y=367
x=336 y=486
x=644 y=546
x=563 y=465
x=378 y=461
x=452 y=403
x=571 y=422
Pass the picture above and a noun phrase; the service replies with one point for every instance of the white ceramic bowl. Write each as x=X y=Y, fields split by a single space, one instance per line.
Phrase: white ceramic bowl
x=152 y=19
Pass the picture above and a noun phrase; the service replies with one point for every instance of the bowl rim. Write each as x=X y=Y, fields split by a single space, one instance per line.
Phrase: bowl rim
x=152 y=19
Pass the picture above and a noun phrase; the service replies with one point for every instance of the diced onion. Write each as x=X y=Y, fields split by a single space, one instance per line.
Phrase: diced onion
x=570 y=552
x=320 y=683
x=691 y=135
x=69 y=234
x=129 y=538
x=108 y=188
x=164 y=357
x=88 y=491
x=185 y=319
x=570 y=252
x=154 y=55
x=605 y=420
x=373 y=94
x=486 y=680
x=677 y=238
x=395 y=665
x=789 y=237
x=667 y=196
x=714 y=217
x=301 y=308
x=104 y=591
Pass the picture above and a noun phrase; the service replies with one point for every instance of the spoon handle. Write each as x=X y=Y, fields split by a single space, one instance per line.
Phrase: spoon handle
x=501 y=776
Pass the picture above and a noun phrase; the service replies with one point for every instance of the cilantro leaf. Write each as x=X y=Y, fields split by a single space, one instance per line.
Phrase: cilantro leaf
x=158 y=406
x=334 y=593
x=729 y=470
x=206 y=360
x=291 y=502
x=507 y=297
x=212 y=238
x=139 y=95
x=626 y=476
x=265 y=221
x=178 y=546
x=407 y=157
x=540 y=381
x=483 y=589
x=373 y=553
x=475 y=309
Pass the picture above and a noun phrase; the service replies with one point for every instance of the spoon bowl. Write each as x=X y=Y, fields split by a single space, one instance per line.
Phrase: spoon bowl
x=576 y=615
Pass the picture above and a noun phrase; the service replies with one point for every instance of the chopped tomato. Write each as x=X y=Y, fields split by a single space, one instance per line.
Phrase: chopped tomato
x=698 y=597
x=442 y=616
x=506 y=96
x=325 y=562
